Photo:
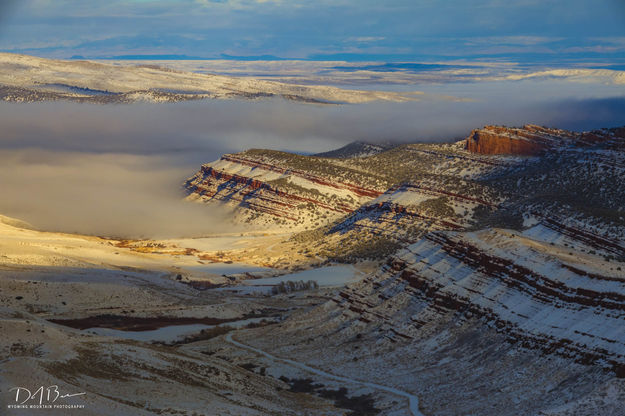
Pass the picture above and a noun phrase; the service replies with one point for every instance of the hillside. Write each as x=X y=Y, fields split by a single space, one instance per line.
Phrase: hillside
x=502 y=285
x=494 y=322
x=356 y=149
x=368 y=206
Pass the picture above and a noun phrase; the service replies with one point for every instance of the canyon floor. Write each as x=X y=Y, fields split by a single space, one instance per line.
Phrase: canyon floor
x=51 y=282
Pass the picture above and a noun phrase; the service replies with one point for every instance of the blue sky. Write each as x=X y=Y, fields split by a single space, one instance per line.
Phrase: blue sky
x=553 y=31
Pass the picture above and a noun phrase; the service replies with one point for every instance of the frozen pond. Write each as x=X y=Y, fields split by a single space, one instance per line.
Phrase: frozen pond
x=164 y=334
x=168 y=333
x=330 y=276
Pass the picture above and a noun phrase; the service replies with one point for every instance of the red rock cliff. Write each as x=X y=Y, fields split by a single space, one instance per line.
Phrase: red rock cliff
x=531 y=140
x=494 y=140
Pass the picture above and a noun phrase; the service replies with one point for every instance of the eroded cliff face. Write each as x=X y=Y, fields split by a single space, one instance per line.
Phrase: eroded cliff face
x=526 y=141
x=523 y=322
x=280 y=190
x=399 y=193
x=532 y=140
x=498 y=277
x=393 y=197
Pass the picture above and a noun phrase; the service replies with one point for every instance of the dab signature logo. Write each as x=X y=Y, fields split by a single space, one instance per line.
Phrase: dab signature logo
x=49 y=397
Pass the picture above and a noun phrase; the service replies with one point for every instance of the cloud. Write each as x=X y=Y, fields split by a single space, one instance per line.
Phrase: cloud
x=299 y=29
x=365 y=39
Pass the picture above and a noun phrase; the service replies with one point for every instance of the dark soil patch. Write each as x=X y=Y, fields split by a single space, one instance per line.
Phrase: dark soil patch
x=136 y=323
x=204 y=334
x=216 y=331
x=363 y=405
x=248 y=366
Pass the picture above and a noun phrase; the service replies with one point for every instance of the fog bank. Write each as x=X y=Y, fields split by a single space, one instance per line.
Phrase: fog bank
x=112 y=195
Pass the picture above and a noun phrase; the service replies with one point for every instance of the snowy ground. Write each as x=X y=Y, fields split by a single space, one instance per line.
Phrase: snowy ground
x=59 y=276
x=29 y=78
x=306 y=352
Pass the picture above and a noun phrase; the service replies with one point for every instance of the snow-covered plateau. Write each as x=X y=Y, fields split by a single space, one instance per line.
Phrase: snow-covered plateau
x=26 y=78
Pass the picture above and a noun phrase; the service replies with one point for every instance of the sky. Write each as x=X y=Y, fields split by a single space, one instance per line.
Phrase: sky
x=530 y=31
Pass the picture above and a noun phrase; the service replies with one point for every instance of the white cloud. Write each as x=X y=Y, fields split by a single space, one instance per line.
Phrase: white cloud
x=365 y=39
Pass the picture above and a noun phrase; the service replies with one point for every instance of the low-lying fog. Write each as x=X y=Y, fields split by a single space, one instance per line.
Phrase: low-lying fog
x=117 y=170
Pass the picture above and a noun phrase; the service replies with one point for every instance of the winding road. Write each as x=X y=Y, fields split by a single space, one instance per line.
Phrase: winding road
x=412 y=399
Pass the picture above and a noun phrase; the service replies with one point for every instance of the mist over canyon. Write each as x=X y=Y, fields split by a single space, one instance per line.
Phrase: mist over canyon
x=94 y=168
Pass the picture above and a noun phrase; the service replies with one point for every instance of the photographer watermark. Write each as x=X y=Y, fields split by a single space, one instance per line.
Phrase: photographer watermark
x=49 y=397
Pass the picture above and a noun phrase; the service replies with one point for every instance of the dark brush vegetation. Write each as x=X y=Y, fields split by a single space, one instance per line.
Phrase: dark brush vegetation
x=587 y=186
x=205 y=334
x=289 y=286
x=363 y=405
x=437 y=207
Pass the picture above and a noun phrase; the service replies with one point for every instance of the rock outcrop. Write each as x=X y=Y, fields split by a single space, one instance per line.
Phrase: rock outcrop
x=522 y=321
x=426 y=187
x=527 y=141
x=542 y=289
x=532 y=140
x=397 y=195
x=276 y=189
